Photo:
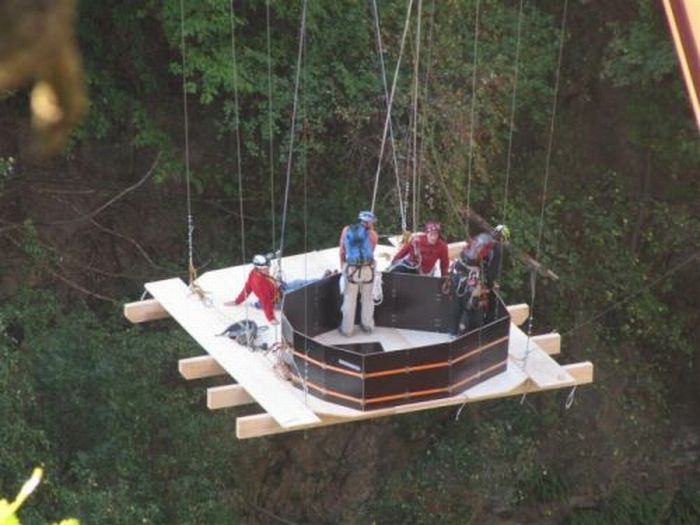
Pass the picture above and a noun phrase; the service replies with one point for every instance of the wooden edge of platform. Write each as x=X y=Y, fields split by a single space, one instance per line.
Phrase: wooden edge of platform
x=259 y=425
x=227 y=396
x=518 y=313
x=550 y=343
x=146 y=310
x=151 y=310
x=199 y=367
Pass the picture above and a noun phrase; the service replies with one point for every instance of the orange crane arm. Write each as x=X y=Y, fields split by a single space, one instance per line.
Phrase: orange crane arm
x=684 y=20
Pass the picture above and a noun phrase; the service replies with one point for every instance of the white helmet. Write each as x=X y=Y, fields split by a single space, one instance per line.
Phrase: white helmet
x=502 y=232
x=260 y=261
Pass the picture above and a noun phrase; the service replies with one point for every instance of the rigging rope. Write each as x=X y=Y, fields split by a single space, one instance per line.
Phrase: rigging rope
x=473 y=110
x=416 y=62
x=391 y=102
x=302 y=33
x=562 y=34
x=512 y=113
x=192 y=271
x=513 y=105
x=269 y=123
x=380 y=51
x=237 y=128
x=421 y=152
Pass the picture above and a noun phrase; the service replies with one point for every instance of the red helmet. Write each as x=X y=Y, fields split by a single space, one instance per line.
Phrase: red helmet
x=431 y=227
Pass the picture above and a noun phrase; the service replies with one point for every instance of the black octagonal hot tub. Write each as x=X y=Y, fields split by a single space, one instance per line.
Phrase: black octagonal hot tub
x=365 y=376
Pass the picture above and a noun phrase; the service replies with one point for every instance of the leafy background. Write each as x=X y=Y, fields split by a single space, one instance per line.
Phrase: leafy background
x=123 y=439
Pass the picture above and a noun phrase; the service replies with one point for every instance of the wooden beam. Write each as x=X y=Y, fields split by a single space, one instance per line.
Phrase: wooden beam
x=518 y=313
x=142 y=311
x=550 y=343
x=263 y=424
x=227 y=396
x=199 y=367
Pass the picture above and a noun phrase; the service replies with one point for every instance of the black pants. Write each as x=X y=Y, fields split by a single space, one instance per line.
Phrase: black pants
x=467 y=312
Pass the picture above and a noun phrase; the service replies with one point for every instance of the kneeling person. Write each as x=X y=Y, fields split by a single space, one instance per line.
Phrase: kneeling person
x=422 y=252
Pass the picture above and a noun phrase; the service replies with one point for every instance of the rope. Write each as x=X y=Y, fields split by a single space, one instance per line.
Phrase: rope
x=237 y=128
x=473 y=109
x=570 y=398
x=302 y=33
x=516 y=69
x=391 y=102
x=190 y=220
x=380 y=47
x=533 y=275
x=421 y=152
x=269 y=98
x=414 y=149
x=693 y=257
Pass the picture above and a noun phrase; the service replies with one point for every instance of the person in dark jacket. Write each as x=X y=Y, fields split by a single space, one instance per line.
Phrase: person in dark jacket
x=474 y=276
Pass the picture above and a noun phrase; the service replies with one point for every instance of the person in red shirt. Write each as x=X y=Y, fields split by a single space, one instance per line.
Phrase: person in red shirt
x=263 y=285
x=420 y=254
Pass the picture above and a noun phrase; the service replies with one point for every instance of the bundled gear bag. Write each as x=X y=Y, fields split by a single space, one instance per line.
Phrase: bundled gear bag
x=358 y=246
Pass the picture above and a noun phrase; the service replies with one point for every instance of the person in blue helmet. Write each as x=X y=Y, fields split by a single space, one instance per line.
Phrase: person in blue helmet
x=357 y=244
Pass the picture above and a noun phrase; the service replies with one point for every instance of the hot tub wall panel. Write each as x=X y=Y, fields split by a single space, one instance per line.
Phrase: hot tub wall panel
x=384 y=379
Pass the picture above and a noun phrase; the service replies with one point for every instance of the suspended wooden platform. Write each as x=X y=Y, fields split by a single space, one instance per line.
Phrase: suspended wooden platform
x=529 y=368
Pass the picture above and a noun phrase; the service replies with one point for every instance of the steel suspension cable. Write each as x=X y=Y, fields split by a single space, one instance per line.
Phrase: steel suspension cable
x=513 y=100
x=269 y=123
x=416 y=63
x=473 y=110
x=302 y=33
x=380 y=52
x=545 y=183
x=237 y=128
x=421 y=152
x=513 y=105
x=391 y=102
x=190 y=220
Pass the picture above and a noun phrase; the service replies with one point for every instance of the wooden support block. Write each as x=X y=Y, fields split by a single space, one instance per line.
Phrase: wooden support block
x=550 y=343
x=227 y=396
x=142 y=311
x=454 y=249
x=199 y=367
x=263 y=424
x=518 y=313
x=582 y=372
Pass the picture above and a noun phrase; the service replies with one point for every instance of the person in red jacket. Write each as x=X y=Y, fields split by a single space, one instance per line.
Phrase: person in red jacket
x=263 y=285
x=420 y=254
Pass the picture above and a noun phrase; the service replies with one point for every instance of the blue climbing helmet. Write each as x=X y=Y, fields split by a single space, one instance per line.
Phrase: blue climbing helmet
x=367 y=216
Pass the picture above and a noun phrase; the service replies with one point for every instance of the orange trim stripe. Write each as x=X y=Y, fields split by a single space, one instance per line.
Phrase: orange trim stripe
x=480 y=373
x=479 y=349
x=395 y=371
x=327 y=366
x=406 y=394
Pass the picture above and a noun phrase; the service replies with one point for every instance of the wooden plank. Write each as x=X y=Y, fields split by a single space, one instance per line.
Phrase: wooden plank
x=550 y=343
x=199 y=367
x=518 y=313
x=203 y=321
x=455 y=248
x=263 y=425
x=227 y=396
x=684 y=20
x=142 y=311
x=538 y=366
